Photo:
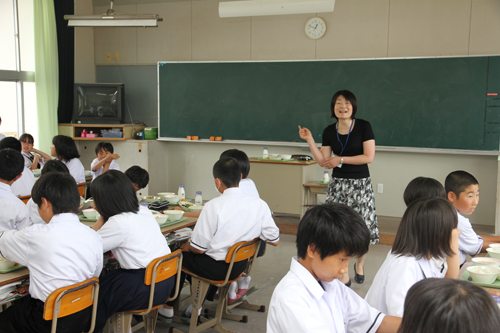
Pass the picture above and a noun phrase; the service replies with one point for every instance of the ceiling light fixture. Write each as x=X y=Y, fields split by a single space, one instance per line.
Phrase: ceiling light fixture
x=274 y=7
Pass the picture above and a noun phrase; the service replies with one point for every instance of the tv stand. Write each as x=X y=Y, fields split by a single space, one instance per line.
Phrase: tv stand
x=75 y=131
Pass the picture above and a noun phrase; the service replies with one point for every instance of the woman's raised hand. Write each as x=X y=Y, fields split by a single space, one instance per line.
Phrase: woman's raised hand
x=305 y=133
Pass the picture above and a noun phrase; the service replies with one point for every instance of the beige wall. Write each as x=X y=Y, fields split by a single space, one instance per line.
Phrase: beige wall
x=192 y=31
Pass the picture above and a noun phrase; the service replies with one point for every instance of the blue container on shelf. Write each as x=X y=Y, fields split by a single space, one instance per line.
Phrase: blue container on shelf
x=110 y=134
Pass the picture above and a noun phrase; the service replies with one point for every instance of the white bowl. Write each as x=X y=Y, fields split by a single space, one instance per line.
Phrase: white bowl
x=483 y=261
x=162 y=194
x=150 y=198
x=174 y=215
x=494 y=252
x=286 y=156
x=196 y=208
x=494 y=245
x=173 y=198
x=483 y=274
x=90 y=213
x=5 y=264
x=161 y=218
x=274 y=156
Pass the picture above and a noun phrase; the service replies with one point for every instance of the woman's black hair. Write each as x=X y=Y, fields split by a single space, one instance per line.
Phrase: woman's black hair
x=242 y=159
x=138 y=176
x=425 y=229
x=27 y=138
x=114 y=194
x=348 y=96
x=54 y=166
x=65 y=147
x=423 y=187
x=59 y=189
x=11 y=164
x=228 y=171
x=446 y=305
x=104 y=145
x=330 y=229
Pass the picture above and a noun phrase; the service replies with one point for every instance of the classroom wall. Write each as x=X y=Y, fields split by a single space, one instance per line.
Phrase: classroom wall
x=192 y=31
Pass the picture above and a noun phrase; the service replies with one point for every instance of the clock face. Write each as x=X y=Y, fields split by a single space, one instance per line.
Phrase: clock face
x=315 y=28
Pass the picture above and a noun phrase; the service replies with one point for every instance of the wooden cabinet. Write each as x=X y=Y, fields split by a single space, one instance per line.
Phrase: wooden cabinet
x=75 y=130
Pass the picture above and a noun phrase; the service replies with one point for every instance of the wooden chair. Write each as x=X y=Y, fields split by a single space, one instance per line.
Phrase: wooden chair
x=82 y=188
x=158 y=270
x=25 y=199
x=72 y=299
x=199 y=287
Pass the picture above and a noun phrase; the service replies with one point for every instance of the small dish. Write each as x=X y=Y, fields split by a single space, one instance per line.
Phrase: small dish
x=494 y=252
x=196 y=208
x=484 y=261
x=150 y=198
x=174 y=215
x=162 y=194
x=483 y=274
x=161 y=218
x=90 y=213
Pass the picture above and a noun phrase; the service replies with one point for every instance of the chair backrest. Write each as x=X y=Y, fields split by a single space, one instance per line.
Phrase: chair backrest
x=160 y=269
x=82 y=188
x=239 y=252
x=25 y=198
x=72 y=299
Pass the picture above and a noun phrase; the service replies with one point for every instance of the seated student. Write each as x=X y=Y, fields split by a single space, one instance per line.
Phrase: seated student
x=105 y=159
x=14 y=213
x=64 y=149
x=224 y=221
x=132 y=234
x=310 y=298
x=462 y=191
x=50 y=166
x=421 y=245
x=58 y=254
x=423 y=187
x=31 y=161
x=23 y=185
x=139 y=178
x=445 y=305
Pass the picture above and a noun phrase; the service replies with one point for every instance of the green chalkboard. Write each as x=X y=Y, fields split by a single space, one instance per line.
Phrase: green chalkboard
x=430 y=102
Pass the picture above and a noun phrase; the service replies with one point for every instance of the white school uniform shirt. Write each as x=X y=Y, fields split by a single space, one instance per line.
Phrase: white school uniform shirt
x=134 y=239
x=248 y=187
x=58 y=254
x=301 y=304
x=231 y=218
x=27 y=161
x=112 y=166
x=396 y=276
x=33 y=214
x=23 y=185
x=76 y=170
x=469 y=243
x=14 y=214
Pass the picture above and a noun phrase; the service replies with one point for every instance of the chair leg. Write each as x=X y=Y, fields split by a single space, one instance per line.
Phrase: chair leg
x=121 y=322
x=107 y=327
x=223 y=291
x=150 y=321
x=199 y=289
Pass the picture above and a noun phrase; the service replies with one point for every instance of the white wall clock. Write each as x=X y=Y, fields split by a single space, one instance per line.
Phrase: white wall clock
x=315 y=28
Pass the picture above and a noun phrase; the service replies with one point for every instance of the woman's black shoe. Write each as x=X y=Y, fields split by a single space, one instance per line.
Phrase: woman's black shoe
x=358 y=277
x=348 y=284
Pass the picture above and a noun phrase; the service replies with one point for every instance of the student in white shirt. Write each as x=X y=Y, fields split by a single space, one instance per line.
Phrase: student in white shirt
x=134 y=237
x=64 y=149
x=105 y=159
x=58 y=254
x=310 y=298
x=51 y=166
x=23 y=185
x=14 y=214
x=446 y=305
x=226 y=220
x=422 y=242
x=31 y=161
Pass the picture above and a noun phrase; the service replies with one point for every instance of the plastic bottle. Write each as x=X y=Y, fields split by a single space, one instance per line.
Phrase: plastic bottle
x=326 y=177
x=198 y=199
x=182 y=192
x=265 y=154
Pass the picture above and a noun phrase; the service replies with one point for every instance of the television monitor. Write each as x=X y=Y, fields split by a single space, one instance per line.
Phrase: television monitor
x=99 y=103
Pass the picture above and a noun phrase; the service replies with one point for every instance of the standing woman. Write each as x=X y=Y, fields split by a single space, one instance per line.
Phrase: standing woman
x=64 y=149
x=352 y=143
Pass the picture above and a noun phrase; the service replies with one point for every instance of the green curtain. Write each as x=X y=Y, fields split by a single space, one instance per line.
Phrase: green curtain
x=46 y=70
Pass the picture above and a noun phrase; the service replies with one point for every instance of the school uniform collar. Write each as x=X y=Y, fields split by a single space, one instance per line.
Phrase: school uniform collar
x=310 y=283
x=64 y=217
x=425 y=266
x=5 y=187
x=232 y=191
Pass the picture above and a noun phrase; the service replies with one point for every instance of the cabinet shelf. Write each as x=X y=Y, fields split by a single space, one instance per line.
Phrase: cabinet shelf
x=75 y=131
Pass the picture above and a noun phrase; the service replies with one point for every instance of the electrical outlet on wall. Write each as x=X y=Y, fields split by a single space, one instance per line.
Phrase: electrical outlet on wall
x=380 y=188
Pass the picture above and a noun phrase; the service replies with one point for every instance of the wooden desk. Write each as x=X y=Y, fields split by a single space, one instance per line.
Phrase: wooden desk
x=280 y=184
x=191 y=221
x=311 y=191
x=18 y=275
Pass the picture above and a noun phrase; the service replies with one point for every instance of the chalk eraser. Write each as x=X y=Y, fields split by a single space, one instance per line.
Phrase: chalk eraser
x=188 y=137
x=194 y=138
x=218 y=138
x=212 y=138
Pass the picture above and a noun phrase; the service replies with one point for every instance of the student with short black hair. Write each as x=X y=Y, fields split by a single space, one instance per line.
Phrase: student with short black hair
x=14 y=212
x=24 y=184
x=50 y=166
x=31 y=161
x=64 y=149
x=310 y=298
x=105 y=159
x=59 y=253
x=132 y=234
x=138 y=176
x=422 y=243
x=423 y=187
x=446 y=305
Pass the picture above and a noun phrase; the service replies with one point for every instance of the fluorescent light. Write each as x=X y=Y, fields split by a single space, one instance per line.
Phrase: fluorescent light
x=274 y=7
x=150 y=20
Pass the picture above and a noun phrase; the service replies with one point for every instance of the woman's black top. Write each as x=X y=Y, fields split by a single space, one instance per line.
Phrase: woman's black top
x=361 y=132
